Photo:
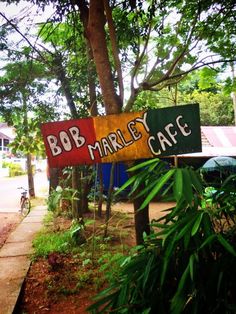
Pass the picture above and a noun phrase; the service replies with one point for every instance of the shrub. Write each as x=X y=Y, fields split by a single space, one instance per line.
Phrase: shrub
x=187 y=264
x=14 y=169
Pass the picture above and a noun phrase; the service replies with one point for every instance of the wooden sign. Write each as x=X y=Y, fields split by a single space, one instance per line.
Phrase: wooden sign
x=122 y=137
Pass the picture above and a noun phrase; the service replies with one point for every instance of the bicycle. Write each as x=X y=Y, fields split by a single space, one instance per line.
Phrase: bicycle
x=24 y=202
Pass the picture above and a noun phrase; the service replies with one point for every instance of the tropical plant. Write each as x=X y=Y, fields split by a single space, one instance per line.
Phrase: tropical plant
x=186 y=265
x=57 y=196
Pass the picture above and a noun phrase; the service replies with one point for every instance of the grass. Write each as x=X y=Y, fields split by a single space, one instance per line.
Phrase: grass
x=38 y=201
x=47 y=242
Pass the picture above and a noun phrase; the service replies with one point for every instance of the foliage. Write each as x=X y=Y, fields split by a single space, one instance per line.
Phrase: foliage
x=58 y=195
x=187 y=264
x=215 y=109
x=203 y=87
x=22 y=86
x=157 y=44
x=48 y=242
x=14 y=169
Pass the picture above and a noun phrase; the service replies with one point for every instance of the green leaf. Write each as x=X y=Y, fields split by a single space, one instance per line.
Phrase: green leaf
x=144 y=164
x=139 y=179
x=163 y=180
x=178 y=184
x=187 y=186
x=197 y=224
x=196 y=181
x=187 y=237
x=184 y=230
x=126 y=184
x=209 y=240
x=107 y=299
x=148 y=270
x=122 y=299
x=178 y=302
x=207 y=225
x=226 y=244
x=191 y=266
x=146 y=189
x=166 y=261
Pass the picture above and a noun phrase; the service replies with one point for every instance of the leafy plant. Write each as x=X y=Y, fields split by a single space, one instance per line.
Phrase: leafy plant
x=48 y=242
x=56 y=196
x=187 y=264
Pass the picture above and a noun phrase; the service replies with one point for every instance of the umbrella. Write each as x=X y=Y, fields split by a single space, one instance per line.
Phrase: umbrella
x=219 y=164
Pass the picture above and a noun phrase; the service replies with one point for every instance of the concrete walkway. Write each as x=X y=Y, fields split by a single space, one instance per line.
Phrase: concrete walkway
x=15 y=258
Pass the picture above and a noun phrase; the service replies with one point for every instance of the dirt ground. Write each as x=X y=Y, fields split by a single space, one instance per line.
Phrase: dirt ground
x=8 y=222
x=156 y=209
x=69 y=287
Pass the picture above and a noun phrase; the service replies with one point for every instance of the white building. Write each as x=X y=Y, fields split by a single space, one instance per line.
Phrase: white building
x=6 y=137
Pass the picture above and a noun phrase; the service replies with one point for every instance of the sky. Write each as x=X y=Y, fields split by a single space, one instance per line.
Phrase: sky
x=25 y=8
x=27 y=15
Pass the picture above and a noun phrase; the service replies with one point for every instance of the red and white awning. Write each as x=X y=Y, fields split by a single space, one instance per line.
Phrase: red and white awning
x=217 y=141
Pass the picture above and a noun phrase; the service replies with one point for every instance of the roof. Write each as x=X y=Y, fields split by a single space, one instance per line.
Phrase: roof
x=217 y=141
x=6 y=131
x=4 y=136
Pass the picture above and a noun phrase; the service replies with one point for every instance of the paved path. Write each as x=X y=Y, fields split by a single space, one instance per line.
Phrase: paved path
x=15 y=258
x=10 y=194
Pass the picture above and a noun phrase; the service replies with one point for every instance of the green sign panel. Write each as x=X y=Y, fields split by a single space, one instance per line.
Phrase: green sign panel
x=174 y=130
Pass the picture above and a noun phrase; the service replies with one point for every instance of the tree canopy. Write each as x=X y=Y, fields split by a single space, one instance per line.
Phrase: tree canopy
x=135 y=45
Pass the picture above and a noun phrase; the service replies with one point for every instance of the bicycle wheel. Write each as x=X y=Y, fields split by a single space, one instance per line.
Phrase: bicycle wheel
x=25 y=207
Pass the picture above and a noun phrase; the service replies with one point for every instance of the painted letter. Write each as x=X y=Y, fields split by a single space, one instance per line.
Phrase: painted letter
x=78 y=140
x=171 y=135
x=92 y=148
x=113 y=140
x=143 y=121
x=162 y=140
x=52 y=141
x=183 y=127
x=106 y=146
x=123 y=140
x=152 y=138
x=136 y=135
x=65 y=140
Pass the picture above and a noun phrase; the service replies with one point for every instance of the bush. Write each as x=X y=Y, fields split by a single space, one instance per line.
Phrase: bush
x=187 y=264
x=14 y=169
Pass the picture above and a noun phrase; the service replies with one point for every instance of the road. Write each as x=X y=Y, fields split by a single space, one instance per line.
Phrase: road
x=10 y=195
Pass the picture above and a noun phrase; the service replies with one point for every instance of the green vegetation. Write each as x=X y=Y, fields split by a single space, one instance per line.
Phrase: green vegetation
x=186 y=265
x=14 y=169
x=53 y=242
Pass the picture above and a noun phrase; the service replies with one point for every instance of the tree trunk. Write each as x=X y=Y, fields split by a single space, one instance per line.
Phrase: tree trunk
x=113 y=104
x=97 y=37
x=141 y=220
x=53 y=178
x=60 y=72
x=100 y=191
x=28 y=156
x=61 y=75
x=86 y=187
x=30 y=175
x=141 y=217
x=76 y=209
x=109 y=199
x=84 y=16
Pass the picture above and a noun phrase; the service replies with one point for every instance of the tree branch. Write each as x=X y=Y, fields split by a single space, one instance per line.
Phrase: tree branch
x=115 y=49
x=22 y=35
